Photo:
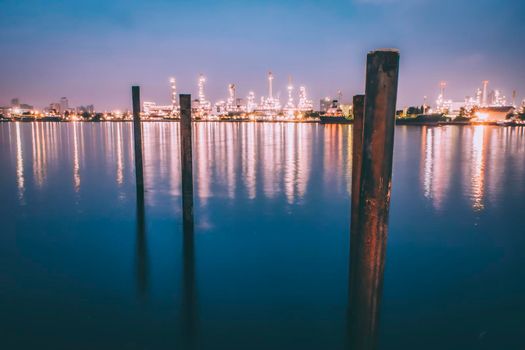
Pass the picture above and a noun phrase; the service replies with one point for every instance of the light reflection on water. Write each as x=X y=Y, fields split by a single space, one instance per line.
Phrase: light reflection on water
x=19 y=165
x=279 y=155
x=270 y=255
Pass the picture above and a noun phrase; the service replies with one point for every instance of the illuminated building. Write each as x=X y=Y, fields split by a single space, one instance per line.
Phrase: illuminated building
x=88 y=109
x=151 y=109
x=64 y=104
x=289 y=109
x=240 y=104
x=204 y=105
x=443 y=106
x=251 y=105
x=484 y=94
x=304 y=105
x=221 y=107
x=54 y=107
x=231 y=104
x=479 y=93
x=270 y=105
x=174 y=100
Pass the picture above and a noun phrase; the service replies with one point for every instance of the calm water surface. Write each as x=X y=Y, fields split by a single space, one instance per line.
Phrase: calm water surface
x=80 y=268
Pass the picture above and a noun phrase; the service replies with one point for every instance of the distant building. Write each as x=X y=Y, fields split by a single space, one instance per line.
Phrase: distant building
x=153 y=110
x=88 y=109
x=54 y=107
x=454 y=107
x=239 y=102
x=64 y=104
x=19 y=108
x=5 y=111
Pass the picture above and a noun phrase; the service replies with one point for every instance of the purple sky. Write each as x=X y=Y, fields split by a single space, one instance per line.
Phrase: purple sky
x=93 y=51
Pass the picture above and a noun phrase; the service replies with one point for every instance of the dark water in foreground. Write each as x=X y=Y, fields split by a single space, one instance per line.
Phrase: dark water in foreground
x=269 y=265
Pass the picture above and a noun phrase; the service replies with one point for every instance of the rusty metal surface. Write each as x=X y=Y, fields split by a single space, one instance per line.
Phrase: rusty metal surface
x=371 y=227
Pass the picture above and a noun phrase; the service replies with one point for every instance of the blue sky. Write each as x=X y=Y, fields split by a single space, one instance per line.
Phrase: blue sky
x=92 y=50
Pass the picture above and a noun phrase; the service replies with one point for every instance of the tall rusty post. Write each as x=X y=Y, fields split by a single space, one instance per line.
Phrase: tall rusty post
x=189 y=294
x=137 y=136
x=369 y=235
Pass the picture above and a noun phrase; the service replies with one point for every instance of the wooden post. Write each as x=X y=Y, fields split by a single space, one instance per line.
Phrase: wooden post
x=186 y=160
x=357 y=154
x=370 y=235
x=137 y=136
x=189 y=294
x=142 y=269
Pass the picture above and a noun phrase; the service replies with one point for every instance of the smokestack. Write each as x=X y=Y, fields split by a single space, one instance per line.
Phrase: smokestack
x=485 y=93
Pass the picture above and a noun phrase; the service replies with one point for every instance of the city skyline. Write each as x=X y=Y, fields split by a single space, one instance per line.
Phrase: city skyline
x=92 y=51
x=491 y=97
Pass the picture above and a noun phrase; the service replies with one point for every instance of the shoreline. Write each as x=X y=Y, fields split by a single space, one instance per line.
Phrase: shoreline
x=398 y=122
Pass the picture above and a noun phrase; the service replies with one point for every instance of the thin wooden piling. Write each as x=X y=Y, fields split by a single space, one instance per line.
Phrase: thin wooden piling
x=357 y=154
x=141 y=269
x=189 y=295
x=370 y=235
x=186 y=160
x=137 y=136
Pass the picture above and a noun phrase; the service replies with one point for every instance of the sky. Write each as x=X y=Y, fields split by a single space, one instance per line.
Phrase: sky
x=92 y=51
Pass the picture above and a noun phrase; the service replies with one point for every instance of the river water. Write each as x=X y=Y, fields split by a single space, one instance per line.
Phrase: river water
x=82 y=268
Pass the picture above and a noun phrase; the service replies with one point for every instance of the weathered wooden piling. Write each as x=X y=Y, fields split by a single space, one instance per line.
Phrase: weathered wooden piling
x=137 y=136
x=189 y=295
x=369 y=234
x=141 y=267
x=357 y=153
x=186 y=160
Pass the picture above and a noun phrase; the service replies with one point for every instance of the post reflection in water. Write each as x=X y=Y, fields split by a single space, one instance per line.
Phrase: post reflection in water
x=189 y=289
x=141 y=246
